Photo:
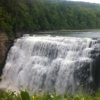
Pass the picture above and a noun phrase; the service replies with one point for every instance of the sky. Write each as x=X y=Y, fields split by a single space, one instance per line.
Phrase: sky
x=92 y=1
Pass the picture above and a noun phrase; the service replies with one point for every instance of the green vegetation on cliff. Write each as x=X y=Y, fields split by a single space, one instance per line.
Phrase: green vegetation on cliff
x=34 y=15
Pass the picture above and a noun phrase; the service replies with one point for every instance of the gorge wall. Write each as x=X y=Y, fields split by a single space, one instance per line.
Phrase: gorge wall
x=5 y=45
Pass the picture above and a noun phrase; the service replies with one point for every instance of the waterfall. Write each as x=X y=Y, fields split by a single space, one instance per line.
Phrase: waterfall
x=51 y=63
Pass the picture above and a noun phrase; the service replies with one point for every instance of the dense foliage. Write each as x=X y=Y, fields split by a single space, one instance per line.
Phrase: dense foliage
x=33 y=15
x=24 y=95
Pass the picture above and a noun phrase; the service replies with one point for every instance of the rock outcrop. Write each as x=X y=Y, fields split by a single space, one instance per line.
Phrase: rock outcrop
x=5 y=45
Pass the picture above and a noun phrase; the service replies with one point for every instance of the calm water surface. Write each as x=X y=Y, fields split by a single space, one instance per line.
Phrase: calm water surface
x=91 y=34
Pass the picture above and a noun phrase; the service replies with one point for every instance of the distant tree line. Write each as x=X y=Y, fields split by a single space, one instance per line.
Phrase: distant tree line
x=35 y=15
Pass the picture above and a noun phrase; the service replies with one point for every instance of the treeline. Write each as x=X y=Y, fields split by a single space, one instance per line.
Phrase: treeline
x=35 y=15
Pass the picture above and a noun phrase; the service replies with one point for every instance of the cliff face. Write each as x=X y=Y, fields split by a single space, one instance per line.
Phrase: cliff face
x=5 y=44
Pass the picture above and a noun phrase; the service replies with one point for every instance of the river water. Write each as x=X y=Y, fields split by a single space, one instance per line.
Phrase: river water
x=89 y=34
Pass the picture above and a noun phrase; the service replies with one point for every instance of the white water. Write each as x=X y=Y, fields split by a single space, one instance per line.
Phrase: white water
x=47 y=62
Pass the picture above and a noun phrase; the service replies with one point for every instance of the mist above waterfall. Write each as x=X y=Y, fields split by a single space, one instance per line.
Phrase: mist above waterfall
x=51 y=63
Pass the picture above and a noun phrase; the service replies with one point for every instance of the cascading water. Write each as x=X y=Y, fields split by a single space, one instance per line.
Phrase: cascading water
x=50 y=63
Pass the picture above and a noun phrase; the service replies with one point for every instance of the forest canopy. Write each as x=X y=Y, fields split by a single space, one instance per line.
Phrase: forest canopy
x=36 y=15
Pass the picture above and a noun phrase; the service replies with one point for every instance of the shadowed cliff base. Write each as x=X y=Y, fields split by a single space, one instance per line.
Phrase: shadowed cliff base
x=5 y=45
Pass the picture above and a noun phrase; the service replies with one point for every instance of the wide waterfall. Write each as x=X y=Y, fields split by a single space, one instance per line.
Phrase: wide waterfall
x=52 y=63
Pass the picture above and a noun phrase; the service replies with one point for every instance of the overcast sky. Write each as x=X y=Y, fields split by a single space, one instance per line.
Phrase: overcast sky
x=92 y=1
